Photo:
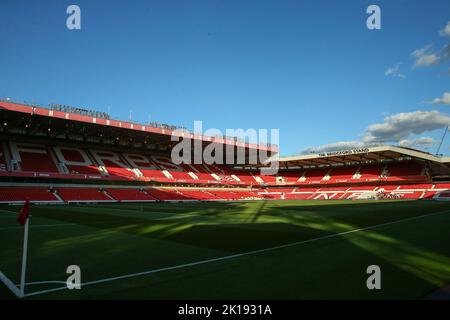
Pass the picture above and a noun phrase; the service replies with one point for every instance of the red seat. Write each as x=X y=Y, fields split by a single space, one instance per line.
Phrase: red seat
x=129 y=194
x=37 y=162
x=166 y=194
x=82 y=194
x=371 y=171
x=21 y=194
x=342 y=173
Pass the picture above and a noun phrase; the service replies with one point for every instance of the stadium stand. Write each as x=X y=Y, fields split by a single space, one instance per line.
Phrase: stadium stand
x=198 y=195
x=129 y=194
x=32 y=157
x=80 y=194
x=168 y=195
x=405 y=170
x=370 y=171
x=21 y=194
x=316 y=175
x=342 y=173
x=76 y=161
x=119 y=168
x=290 y=176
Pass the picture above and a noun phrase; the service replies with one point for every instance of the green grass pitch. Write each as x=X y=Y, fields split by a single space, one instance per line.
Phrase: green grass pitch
x=113 y=240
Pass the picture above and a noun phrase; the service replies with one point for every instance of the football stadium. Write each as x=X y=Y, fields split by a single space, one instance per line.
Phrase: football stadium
x=224 y=157
x=106 y=197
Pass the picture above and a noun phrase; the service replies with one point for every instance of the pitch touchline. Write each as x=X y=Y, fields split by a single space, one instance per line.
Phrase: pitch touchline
x=191 y=264
x=114 y=221
x=70 y=224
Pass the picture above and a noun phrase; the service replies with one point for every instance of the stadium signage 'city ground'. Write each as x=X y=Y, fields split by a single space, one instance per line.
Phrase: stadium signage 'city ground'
x=343 y=152
x=189 y=151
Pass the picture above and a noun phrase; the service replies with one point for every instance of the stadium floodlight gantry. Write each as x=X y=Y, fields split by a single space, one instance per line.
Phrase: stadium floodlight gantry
x=49 y=155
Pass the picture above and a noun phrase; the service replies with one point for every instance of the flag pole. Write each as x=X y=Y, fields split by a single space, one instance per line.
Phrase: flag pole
x=24 y=259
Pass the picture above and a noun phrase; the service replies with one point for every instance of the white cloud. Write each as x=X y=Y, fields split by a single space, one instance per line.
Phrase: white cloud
x=395 y=129
x=427 y=60
x=445 y=53
x=421 y=52
x=394 y=71
x=399 y=126
x=425 y=57
x=446 y=31
x=445 y=99
x=422 y=142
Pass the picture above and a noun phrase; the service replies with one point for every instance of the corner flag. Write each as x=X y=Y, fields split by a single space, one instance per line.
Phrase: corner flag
x=23 y=220
x=24 y=213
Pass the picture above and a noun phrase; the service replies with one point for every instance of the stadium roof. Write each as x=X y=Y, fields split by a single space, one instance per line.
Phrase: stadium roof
x=95 y=124
x=361 y=155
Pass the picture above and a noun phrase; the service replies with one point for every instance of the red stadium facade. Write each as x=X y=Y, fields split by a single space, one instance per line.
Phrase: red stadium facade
x=52 y=156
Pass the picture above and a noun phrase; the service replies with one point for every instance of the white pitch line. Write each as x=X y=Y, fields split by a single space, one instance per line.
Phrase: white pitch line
x=238 y=255
x=43 y=282
x=41 y=226
x=78 y=224
x=9 y=212
x=11 y=286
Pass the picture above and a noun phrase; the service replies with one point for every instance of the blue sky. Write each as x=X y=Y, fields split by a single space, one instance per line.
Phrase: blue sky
x=310 y=68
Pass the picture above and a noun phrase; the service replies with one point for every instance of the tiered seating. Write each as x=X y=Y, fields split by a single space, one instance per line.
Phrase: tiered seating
x=415 y=186
x=315 y=174
x=442 y=191
x=225 y=195
x=37 y=162
x=129 y=194
x=147 y=167
x=2 y=160
x=388 y=187
x=82 y=194
x=167 y=195
x=298 y=196
x=200 y=171
x=268 y=179
x=204 y=176
x=411 y=195
x=220 y=169
x=245 y=176
x=115 y=170
x=399 y=192
x=342 y=173
x=74 y=156
x=353 y=191
x=442 y=186
x=291 y=176
x=371 y=171
x=329 y=193
x=51 y=162
x=280 y=190
x=21 y=194
x=362 y=188
x=429 y=195
x=247 y=194
x=198 y=194
x=405 y=169
x=155 y=175
x=180 y=175
x=114 y=163
x=443 y=195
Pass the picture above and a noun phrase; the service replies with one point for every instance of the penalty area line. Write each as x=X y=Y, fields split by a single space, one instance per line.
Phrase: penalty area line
x=8 y=283
x=238 y=255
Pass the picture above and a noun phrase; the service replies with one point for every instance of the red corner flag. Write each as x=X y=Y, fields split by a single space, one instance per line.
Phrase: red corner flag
x=23 y=216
